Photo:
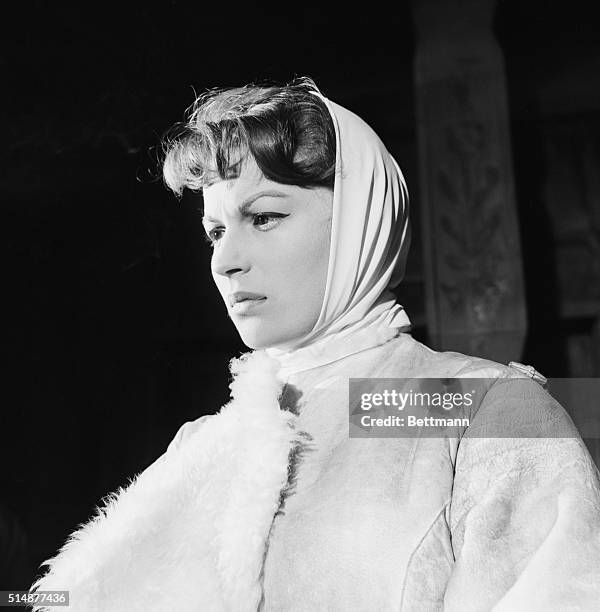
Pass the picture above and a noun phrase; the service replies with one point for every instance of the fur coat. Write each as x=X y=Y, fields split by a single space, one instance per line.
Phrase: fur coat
x=487 y=523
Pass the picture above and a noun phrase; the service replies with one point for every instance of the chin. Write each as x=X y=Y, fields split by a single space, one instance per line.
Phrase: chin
x=259 y=337
x=256 y=339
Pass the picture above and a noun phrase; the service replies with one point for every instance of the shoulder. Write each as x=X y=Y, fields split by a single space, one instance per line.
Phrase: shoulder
x=183 y=434
x=510 y=399
x=187 y=430
x=409 y=357
x=519 y=407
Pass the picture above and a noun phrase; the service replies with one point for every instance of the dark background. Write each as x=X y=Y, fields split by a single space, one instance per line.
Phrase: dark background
x=114 y=333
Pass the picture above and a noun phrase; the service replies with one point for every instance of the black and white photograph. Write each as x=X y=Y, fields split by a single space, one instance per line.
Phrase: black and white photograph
x=303 y=307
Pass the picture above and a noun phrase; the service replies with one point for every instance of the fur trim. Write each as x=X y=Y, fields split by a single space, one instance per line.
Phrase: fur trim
x=189 y=533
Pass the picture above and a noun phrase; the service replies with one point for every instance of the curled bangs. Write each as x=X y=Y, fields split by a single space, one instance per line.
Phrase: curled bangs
x=194 y=159
x=287 y=130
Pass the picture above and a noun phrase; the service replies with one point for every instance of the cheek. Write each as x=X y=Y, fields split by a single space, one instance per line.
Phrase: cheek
x=305 y=262
x=318 y=251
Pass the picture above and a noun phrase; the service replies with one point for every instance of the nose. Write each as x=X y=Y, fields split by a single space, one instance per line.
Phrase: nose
x=230 y=257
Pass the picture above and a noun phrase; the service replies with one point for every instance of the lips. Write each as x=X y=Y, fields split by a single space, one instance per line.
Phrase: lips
x=244 y=296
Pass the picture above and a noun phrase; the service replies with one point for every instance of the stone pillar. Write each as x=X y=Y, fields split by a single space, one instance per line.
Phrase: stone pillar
x=474 y=280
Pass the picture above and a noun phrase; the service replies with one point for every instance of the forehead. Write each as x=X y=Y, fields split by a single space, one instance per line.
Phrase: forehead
x=250 y=179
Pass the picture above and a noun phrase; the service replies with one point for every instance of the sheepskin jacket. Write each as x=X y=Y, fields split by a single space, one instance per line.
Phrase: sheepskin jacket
x=271 y=505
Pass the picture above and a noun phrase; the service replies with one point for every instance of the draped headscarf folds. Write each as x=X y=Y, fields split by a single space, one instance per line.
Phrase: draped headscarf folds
x=370 y=238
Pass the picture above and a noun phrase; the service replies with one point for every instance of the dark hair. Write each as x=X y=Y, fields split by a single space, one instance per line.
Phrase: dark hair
x=287 y=129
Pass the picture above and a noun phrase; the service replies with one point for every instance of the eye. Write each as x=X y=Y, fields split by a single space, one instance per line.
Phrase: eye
x=262 y=221
x=211 y=236
x=266 y=221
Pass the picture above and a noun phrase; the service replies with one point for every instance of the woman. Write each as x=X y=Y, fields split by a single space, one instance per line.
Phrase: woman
x=271 y=504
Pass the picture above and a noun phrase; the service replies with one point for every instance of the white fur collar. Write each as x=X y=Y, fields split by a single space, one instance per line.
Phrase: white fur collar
x=189 y=533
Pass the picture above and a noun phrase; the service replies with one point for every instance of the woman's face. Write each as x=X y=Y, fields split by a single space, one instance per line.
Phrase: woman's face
x=270 y=241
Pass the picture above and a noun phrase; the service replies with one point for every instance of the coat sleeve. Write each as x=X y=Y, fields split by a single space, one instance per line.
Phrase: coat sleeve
x=525 y=511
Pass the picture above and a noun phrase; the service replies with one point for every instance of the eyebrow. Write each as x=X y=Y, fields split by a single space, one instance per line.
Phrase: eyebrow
x=245 y=205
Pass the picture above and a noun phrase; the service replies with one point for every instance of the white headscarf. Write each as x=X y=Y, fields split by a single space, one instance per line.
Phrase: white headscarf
x=370 y=237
